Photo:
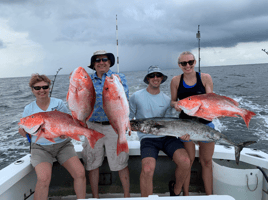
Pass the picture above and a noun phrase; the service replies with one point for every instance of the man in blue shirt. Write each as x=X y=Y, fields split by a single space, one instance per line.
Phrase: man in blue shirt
x=151 y=102
x=101 y=61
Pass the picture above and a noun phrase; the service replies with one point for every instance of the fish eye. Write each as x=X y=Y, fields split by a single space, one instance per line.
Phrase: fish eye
x=189 y=98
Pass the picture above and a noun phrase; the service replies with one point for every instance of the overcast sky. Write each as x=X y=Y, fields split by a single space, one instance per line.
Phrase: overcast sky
x=41 y=36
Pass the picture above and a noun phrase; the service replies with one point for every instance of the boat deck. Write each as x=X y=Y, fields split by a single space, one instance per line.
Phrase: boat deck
x=162 y=196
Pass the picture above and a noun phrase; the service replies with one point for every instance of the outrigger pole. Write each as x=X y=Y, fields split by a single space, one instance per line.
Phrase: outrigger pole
x=117 y=46
x=198 y=36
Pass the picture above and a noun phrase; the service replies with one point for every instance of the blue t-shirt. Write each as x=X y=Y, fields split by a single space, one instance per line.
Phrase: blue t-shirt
x=98 y=113
x=32 y=108
x=142 y=104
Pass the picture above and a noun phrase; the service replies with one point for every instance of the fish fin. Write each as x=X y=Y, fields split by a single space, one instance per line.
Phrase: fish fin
x=93 y=136
x=75 y=137
x=247 y=117
x=50 y=139
x=39 y=133
x=79 y=122
x=158 y=126
x=238 y=149
x=232 y=100
x=122 y=147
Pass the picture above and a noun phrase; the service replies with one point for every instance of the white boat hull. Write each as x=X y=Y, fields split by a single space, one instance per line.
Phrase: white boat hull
x=17 y=181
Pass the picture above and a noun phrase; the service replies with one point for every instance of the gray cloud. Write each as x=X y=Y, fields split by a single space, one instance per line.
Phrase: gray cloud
x=72 y=30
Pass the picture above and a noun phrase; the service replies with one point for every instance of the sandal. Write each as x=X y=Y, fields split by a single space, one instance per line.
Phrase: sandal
x=171 y=188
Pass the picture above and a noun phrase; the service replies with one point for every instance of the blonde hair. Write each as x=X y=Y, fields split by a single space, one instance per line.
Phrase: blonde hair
x=185 y=53
x=36 y=78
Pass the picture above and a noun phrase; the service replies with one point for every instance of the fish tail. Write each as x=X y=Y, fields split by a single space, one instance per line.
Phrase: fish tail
x=93 y=136
x=247 y=117
x=238 y=149
x=122 y=147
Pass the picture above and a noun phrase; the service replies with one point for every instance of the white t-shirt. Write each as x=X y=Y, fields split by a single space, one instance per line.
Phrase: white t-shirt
x=32 y=108
x=145 y=105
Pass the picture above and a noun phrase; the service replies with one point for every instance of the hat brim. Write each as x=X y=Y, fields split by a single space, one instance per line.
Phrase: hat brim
x=109 y=55
x=146 y=80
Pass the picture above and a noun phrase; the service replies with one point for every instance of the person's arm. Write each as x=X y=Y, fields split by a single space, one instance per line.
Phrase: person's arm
x=207 y=82
x=174 y=85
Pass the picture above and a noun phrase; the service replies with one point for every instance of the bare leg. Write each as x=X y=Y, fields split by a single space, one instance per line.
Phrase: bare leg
x=77 y=171
x=94 y=182
x=206 y=151
x=146 y=177
x=182 y=161
x=124 y=177
x=43 y=172
x=190 y=148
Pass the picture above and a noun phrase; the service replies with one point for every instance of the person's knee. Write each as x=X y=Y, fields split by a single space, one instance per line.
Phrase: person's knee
x=44 y=179
x=80 y=174
x=183 y=161
x=148 y=170
x=206 y=162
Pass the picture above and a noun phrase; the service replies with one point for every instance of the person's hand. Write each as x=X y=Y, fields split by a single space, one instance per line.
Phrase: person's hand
x=177 y=107
x=22 y=132
x=118 y=77
x=185 y=137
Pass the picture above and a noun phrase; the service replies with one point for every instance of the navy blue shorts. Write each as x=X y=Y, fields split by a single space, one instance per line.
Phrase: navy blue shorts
x=150 y=147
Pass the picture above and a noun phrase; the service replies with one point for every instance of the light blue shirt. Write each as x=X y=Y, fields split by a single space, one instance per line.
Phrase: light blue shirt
x=32 y=108
x=145 y=105
x=98 y=113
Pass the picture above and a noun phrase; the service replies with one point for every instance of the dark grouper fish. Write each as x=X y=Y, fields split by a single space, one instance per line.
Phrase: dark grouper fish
x=178 y=127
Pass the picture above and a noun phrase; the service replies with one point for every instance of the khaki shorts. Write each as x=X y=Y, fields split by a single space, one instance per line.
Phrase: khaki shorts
x=46 y=153
x=93 y=158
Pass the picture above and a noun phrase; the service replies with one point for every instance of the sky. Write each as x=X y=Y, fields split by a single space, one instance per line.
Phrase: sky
x=41 y=36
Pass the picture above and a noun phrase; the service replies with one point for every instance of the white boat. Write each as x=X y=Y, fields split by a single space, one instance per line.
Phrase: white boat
x=246 y=181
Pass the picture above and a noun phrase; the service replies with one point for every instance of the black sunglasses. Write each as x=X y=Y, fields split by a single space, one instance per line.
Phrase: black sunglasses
x=155 y=74
x=39 y=87
x=190 y=62
x=99 y=59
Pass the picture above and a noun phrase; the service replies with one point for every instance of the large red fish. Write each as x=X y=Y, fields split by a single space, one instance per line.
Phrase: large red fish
x=54 y=124
x=210 y=106
x=116 y=107
x=81 y=95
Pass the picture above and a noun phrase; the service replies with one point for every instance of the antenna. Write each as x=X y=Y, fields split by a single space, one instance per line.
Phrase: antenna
x=117 y=46
x=198 y=36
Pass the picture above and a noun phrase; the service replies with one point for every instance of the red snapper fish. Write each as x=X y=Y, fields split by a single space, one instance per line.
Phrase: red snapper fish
x=116 y=107
x=54 y=124
x=210 y=106
x=81 y=95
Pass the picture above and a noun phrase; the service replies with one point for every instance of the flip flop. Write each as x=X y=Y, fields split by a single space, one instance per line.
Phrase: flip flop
x=171 y=188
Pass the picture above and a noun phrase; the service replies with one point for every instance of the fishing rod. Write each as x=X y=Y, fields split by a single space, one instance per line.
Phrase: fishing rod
x=198 y=36
x=54 y=81
x=265 y=51
x=117 y=46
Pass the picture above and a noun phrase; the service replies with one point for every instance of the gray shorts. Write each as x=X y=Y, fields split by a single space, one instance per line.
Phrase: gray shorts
x=93 y=158
x=46 y=153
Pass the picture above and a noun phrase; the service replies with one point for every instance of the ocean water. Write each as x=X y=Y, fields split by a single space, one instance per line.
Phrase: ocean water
x=247 y=84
